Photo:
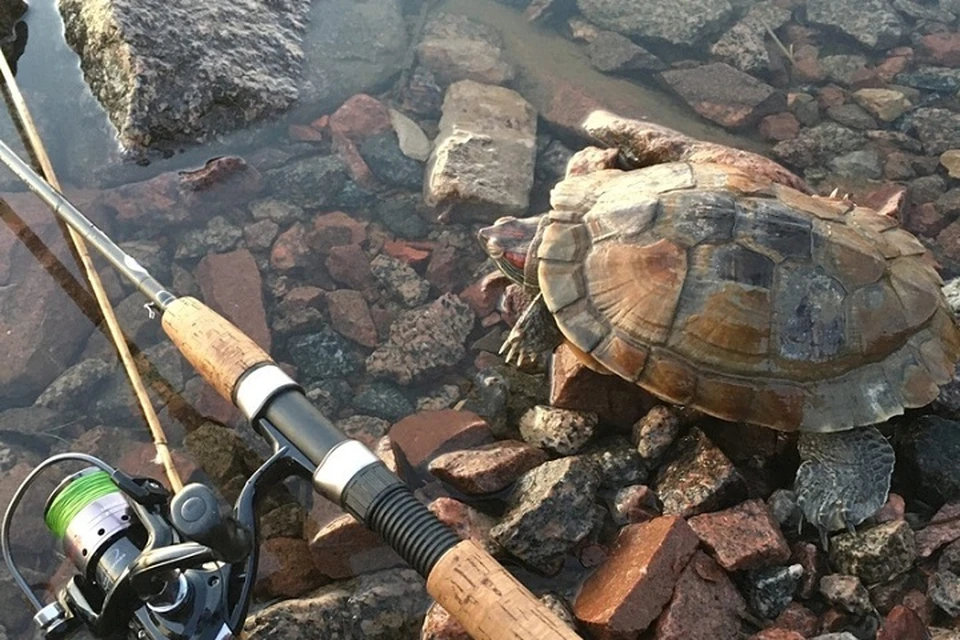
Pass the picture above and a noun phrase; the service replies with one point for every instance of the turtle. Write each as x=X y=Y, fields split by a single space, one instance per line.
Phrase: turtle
x=730 y=290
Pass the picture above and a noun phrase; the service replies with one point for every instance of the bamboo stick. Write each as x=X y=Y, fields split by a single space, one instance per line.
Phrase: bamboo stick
x=119 y=340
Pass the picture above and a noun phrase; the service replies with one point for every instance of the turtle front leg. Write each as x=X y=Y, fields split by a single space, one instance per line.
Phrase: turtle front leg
x=535 y=332
x=844 y=477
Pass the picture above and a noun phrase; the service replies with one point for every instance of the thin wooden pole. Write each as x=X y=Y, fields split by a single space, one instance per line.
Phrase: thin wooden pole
x=119 y=340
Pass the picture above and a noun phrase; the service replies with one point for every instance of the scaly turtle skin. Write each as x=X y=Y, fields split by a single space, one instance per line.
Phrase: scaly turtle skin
x=747 y=299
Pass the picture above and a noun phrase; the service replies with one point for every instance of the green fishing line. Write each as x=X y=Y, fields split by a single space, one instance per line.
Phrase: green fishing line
x=74 y=497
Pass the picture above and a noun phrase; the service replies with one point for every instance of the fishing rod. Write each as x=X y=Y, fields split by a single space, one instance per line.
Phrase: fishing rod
x=163 y=566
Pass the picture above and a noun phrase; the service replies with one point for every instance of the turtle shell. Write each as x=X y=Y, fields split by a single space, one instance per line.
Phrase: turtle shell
x=744 y=298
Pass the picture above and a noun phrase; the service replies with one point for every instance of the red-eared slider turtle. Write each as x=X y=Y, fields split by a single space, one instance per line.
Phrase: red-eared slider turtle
x=716 y=288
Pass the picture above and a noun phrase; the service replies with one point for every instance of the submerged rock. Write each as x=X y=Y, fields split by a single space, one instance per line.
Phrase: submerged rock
x=873 y=23
x=227 y=74
x=456 y=48
x=681 y=22
x=351 y=47
x=745 y=45
x=484 y=155
x=725 y=95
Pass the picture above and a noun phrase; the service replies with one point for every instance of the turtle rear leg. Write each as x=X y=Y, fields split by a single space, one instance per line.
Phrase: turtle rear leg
x=535 y=332
x=844 y=477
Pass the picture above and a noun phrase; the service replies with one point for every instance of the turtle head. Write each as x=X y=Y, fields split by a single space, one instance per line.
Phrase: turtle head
x=508 y=242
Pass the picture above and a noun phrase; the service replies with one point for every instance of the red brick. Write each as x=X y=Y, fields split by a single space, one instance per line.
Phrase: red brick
x=621 y=598
x=420 y=437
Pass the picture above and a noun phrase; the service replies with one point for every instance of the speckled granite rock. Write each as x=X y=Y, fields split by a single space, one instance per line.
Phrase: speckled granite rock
x=682 y=22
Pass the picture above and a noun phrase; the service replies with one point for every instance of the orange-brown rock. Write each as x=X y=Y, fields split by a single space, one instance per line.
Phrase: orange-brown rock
x=705 y=604
x=420 y=437
x=345 y=548
x=621 y=598
x=286 y=569
x=743 y=537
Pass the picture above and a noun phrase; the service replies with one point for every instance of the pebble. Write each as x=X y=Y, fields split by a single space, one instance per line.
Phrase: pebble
x=743 y=537
x=400 y=280
x=846 y=592
x=876 y=554
x=421 y=437
x=943 y=590
x=700 y=479
x=655 y=432
x=487 y=468
x=618 y=462
x=350 y=316
x=324 y=354
x=561 y=431
x=705 y=604
x=383 y=400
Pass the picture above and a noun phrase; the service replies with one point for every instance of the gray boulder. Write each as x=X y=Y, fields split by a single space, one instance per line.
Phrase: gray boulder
x=182 y=71
x=483 y=158
x=679 y=22
x=351 y=47
x=873 y=23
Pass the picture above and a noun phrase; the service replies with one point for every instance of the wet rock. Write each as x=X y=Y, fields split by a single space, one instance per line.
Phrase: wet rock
x=817 y=145
x=442 y=398
x=613 y=52
x=575 y=386
x=300 y=311
x=223 y=456
x=926 y=450
x=744 y=46
x=705 y=604
x=313 y=182
x=166 y=367
x=286 y=569
x=743 y=537
x=799 y=619
x=218 y=236
x=950 y=160
x=411 y=138
x=419 y=438
x=862 y=164
x=780 y=127
x=939 y=79
x=400 y=281
x=128 y=49
x=324 y=354
x=618 y=462
x=700 y=479
x=350 y=48
x=345 y=548
x=876 y=554
x=382 y=400
x=424 y=341
x=359 y=117
x=556 y=496
x=943 y=528
x=350 y=316
x=561 y=431
x=629 y=591
x=456 y=48
x=74 y=387
x=379 y=606
x=846 y=592
x=349 y=265
x=259 y=236
x=842 y=69
x=231 y=285
x=389 y=164
x=684 y=23
x=634 y=504
x=903 y=623
x=335 y=229
x=423 y=96
x=885 y=104
x=481 y=161
x=850 y=115
x=724 y=94
x=805 y=108
x=279 y=211
x=487 y=468
x=400 y=215
x=926 y=189
x=552 y=158
x=873 y=23
x=942 y=48
x=769 y=591
x=151 y=255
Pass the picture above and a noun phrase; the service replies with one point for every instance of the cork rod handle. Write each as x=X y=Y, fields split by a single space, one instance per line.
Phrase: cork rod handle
x=219 y=351
x=489 y=602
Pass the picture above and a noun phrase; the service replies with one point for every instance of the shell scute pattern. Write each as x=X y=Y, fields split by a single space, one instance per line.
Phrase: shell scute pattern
x=747 y=300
